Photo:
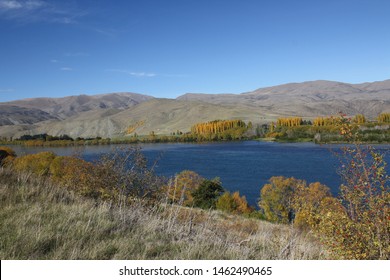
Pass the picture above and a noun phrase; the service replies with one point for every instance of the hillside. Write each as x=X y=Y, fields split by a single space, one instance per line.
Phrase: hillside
x=309 y=99
x=72 y=105
x=109 y=115
x=39 y=220
x=15 y=115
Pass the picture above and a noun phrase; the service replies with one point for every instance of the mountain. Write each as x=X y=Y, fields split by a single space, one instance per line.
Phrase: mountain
x=72 y=105
x=309 y=99
x=14 y=115
x=109 y=115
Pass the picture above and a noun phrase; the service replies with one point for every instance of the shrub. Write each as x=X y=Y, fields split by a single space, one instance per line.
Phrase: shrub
x=308 y=203
x=358 y=227
x=207 y=194
x=7 y=155
x=38 y=164
x=127 y=170
x=77 y=175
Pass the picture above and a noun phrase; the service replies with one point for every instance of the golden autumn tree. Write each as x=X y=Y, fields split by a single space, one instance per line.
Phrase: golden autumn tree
x=181 y=187
x=359 y=119
x=216 y=127
x=384 y=118
x=233 y=203
x=325 y=121
x=277 y=198
x=289 y=122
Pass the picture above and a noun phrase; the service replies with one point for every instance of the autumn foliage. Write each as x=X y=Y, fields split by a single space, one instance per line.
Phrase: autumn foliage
x=219 y=130
x=233 y=203
x=179 y=189
x=7 y=155
x=122 y=173
x=359 y=119
x=289 y=122
x=215 y=127
x=384 y=118
x=356 y=224
x=290 y=200
x=324 y=121
x=38 y=164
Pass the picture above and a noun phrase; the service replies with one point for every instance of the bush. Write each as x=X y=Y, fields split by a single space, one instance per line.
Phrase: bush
x=357 y=226
x=77 y=175
x=361 y=227
x=7 y=155
x=207 y=194
x=38 y=164
x=308 y=203
x=127 y=170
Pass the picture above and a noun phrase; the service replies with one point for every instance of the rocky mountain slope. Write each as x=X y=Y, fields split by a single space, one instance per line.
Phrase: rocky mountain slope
x=109 y=115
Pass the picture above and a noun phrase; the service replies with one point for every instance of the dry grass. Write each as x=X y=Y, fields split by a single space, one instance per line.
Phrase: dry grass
x=42 y=221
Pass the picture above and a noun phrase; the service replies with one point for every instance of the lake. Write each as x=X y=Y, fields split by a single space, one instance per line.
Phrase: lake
x=244 y=166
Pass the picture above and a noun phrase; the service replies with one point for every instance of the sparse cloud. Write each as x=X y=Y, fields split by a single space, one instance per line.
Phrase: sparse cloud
x=37 y=10
x=76 y=54
x=145 y=74
x=142 y=74
x=66 y=69
x=174 y=75
x=21 y=5
x=133 y=74
x=109 y=32
x=5 y=90
x=54 y=61
x=9 y=5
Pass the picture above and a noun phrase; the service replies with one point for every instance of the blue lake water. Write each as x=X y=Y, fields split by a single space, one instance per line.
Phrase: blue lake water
x=244 y=166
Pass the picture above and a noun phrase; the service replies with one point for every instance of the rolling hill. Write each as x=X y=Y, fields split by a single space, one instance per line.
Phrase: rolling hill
x=109 y=115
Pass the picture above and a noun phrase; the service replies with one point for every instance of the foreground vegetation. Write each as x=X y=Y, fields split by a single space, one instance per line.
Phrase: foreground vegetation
x=355 y=225
x=40 y=220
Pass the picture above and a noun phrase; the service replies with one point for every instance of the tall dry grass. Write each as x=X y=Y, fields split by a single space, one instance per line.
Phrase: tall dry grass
x=39 y=220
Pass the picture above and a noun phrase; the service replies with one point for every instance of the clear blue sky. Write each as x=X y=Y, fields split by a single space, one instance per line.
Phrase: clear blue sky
x=167 y=48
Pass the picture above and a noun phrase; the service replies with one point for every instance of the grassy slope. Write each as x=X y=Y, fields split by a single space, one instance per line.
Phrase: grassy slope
x=42 y=221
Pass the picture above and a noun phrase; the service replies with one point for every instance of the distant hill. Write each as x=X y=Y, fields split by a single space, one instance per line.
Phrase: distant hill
x=109 y=115
x=309 y=99
x=72 y=105
x=14 y=115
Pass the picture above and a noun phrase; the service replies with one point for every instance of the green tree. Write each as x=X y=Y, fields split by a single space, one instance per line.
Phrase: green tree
x=207 y=194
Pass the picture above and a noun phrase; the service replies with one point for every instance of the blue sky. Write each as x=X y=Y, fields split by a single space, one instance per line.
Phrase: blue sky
x=168 y=48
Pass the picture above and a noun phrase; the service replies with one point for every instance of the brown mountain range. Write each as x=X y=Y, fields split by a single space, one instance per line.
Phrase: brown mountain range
x=109 y=115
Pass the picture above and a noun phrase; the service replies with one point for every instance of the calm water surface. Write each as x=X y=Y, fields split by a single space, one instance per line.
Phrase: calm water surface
x=244 y=166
